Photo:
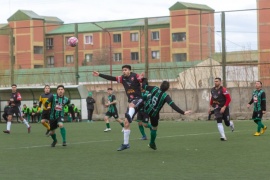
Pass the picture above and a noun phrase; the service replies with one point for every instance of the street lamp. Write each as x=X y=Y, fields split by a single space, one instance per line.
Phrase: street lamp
x=110 y=48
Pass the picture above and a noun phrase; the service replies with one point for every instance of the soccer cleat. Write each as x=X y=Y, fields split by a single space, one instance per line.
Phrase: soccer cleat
x=144 y=138
x=64 y=143
x=257 y=134
x=152 y=146
x=223 y=139
x=107 y=129
x=53 y=143
x=47 y=133
x=263 y=129
x=7 y=131
x=123 y=147
x=128 y=117
x=29 y=129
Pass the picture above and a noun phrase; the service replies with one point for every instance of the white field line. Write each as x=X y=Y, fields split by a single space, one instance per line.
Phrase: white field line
x=88 y=142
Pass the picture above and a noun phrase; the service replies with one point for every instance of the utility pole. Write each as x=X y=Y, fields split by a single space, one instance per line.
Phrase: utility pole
x=76 y=57
x=210 y=55
x=146 y=46
x=223 y=28
x=11 y=54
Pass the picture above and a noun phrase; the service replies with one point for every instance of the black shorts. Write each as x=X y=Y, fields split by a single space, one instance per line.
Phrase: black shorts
x=142 y=116
x=46 y=114
x=257 y=115
x=110 y=114
x=54 y=123
x=222 y=116
x=15 y=110
x=154 y=120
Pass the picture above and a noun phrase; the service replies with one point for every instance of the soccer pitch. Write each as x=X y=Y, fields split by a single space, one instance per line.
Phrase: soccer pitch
x=186 y=150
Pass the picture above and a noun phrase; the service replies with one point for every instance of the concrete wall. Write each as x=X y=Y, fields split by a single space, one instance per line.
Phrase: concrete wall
x=195 y=100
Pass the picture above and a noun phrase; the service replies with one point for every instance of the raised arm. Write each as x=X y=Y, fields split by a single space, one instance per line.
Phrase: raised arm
x=104 y=76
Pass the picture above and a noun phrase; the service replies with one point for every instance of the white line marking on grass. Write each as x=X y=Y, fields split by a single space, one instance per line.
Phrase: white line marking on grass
x=86 y=142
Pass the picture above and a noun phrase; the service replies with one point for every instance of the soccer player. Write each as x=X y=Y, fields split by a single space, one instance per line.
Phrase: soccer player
x=58 y=101
x=112 y=110
x=259 y=101
x=153 y=104
x=15 y=103
x=220 y=100
x=45 y=116
x=143 y=118
x=131 y=82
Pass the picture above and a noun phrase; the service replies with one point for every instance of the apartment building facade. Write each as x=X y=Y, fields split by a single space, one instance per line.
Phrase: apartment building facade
x=33 y=41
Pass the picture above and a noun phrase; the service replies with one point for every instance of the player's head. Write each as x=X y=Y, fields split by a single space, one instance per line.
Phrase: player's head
x=72 y=105
x=14 y=87
x=165 y=85
x=60 y=90
x=126 y=69
x=35 y=103
x=217 y=82
x=258 y=84
x=24 y=106
x=109 y=90
x=47 y=89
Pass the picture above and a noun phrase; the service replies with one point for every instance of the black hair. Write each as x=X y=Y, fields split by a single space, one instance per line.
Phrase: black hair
x=14 y=85
x=165 y=85
x=259 y=82
x=126 y=66
x=109 y=89
x=62 y=86
x=218 y=78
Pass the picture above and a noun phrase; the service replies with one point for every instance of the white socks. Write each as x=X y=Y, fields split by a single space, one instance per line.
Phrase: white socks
x=126 y=136
x=221 y=130
x=8 y=125
x=131 y=111
x=26 y=123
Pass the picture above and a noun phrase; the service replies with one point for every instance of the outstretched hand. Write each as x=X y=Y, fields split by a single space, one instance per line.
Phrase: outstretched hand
x=141 y=75
x=187 y=112
x=95 y=73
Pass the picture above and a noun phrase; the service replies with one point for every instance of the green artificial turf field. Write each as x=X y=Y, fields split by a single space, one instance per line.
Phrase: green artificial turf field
x=186 y=150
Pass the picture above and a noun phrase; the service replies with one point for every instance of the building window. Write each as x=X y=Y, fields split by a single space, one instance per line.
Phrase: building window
x=88 y=39
x=49 y=43
x=117 y=38
x=38 y=50
x=155 y=55
x=66 y=40
x=179 y=57
x=155 y=35
x=179 y=37
x=88 y=57
x=117 y=57
x=38 y=66
x=69 y=59
x=134 y=56
x=50 y=61
x=134 y=37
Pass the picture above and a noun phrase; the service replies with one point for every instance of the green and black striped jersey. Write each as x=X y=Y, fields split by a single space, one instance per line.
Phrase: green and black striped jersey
x=112 y=107
x=156 y=100
x=57 y=106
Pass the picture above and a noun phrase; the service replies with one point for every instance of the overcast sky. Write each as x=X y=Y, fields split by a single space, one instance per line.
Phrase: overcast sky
x=241 y=26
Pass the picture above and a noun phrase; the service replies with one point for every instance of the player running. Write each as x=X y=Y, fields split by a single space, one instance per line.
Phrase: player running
x=45 y=116
x=112 y=110
x=15 y=108
x=220 y=100
x=58 y=101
